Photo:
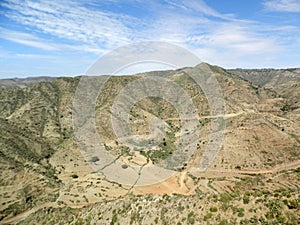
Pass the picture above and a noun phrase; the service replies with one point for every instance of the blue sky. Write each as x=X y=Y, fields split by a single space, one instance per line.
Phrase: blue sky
x=63 y=38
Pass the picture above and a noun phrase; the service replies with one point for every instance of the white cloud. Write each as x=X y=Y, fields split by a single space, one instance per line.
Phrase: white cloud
x=221 y=42
x=87 y=27
x=26 y=39
x=71 y=21
x=34 y=56
x=239 y=38
x=232 y=44
x=283 y=5
x=196 y=6
x=44 y=44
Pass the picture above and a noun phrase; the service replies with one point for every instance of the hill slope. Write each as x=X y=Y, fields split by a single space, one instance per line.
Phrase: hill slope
x=44 y=172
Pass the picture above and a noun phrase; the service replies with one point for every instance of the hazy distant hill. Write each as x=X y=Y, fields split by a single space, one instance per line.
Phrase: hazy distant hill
x=268 y=77
x=23 y=82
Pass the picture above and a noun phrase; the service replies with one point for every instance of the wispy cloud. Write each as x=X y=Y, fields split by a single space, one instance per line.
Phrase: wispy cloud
x=197 y=7
x=283 y=5
x=71 y=21
x=219 y=41
x=34 y=56
x=33 y=40
x=238 y=37
x=26 y=39
x=98 y=26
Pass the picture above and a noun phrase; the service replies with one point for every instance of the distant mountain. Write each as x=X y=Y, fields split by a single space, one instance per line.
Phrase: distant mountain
x=284 y=82
x=268 y=77
x=23 y=82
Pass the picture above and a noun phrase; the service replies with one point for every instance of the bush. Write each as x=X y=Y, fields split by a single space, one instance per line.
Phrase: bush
x=191 y=217
x=213 y=209
x=75 y=176
x=94 y=159
x=225 y=198
x=208 y=216
x=241 y=214
x=246 y=199
x=225 y=222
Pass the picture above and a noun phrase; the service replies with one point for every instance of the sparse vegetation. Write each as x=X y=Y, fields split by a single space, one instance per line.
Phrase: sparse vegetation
x=41 y=163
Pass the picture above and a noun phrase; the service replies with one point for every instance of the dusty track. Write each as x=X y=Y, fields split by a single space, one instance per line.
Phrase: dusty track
x=276 y=169
x=175 y=184
x=25 y=214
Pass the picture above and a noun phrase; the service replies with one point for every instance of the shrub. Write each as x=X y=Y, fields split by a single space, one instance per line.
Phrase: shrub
x=191 y=217
x=241 y=214
x=213 y=209
x=94 y=159
x=208 y=216
x=246 y=199
x=225 y=198
x=75 y=176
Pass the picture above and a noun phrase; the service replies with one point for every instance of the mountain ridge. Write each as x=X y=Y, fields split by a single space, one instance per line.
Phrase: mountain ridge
x=42 y=164
x=242 y=73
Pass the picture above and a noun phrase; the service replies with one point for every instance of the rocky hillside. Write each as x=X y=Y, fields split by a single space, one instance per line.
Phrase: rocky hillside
x=254 y=178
